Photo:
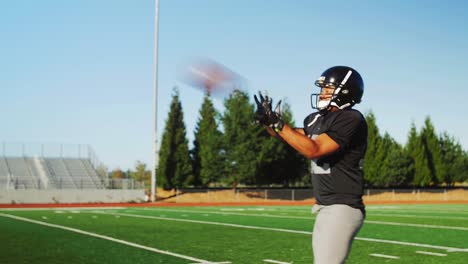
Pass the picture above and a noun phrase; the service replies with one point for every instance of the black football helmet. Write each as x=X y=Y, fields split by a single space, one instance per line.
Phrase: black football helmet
x=348 y=88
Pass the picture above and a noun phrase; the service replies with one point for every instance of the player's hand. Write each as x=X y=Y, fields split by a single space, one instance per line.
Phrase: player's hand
x=265 y=115
x=277 y=122
x=263 y=106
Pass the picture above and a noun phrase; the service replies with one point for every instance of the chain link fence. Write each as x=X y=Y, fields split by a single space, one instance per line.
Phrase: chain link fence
x=306 y=195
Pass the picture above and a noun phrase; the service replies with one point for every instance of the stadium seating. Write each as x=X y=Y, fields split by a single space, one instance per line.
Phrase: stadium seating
x=48 y=173
x=4 y=174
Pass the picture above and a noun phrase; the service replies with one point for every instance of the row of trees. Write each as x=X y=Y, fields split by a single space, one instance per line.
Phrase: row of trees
x=425 y=160
x=230 y=149
x=241 y=153
x=140 y=174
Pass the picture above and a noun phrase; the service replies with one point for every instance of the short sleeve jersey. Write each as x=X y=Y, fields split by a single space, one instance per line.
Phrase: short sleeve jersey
x=337 y=177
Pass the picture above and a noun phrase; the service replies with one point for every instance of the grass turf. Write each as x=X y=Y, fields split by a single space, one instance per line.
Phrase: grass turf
x=24 y=242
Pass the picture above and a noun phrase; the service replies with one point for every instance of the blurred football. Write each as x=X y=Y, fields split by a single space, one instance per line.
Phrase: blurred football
x=210 y=76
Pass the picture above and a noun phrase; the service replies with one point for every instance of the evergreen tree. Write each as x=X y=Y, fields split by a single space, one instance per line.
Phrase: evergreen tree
x=196 y=164
x=297 y=167
x=174 y=161
x=241 y=139
x=413 y=150
x=463 y=177
x=396 y=167
x=417 y=151
x=433 y=152
x=207 y=155
x=372 y=164
x=386 y=143
x=454 y=159
x=278 y=162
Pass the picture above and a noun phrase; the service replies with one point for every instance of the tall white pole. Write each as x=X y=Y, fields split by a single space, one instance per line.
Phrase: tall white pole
x=155 y=100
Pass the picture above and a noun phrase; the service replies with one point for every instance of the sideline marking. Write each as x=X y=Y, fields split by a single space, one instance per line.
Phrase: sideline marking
x=458 y=250
x=72 y=209
x=223 y=262
x=416 y=210
x=370 y=212
x=229 y=213
x=417 y=225
x=211 y=223
x=312 y=217
x=431 y=253
x=421 y=216
x=275 y=261
x=243 y=209
x=285 y=230
x=384 y=256
x=377 y=207
x=79 y=231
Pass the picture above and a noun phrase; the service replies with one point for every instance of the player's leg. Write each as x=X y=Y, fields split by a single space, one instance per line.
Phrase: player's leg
x=334 y=230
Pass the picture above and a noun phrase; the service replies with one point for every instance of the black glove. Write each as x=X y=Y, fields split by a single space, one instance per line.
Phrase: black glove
x=264 y=114
x=263 y=106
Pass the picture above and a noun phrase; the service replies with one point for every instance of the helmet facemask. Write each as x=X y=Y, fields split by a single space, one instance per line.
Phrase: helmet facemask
x=320 y=103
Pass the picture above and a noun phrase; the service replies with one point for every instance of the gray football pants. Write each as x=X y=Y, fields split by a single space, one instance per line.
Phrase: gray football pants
x=334 y=230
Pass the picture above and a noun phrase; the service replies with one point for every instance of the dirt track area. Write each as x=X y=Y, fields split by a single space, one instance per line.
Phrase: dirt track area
x=230 y=197
x=386 y=196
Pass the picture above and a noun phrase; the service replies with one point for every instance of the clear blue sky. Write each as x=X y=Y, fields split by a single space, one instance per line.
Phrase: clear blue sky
x=81 y=71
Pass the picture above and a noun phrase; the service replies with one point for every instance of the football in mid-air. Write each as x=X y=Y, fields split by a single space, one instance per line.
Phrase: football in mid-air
x=210 y=76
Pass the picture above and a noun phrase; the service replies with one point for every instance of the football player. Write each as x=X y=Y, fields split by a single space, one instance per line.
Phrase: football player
x=335 y=139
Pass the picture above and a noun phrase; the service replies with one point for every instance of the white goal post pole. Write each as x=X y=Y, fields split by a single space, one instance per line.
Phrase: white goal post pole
x=155 y=99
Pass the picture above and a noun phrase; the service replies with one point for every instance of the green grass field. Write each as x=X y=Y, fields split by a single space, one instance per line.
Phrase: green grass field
x=231 y=234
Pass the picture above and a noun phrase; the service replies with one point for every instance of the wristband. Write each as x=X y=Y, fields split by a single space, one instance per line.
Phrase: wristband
x=278 y=126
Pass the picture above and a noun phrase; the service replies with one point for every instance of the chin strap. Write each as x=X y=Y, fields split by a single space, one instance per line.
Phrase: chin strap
x=342 y=106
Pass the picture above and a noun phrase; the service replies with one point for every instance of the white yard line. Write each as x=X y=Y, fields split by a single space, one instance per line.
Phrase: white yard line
x=222 y=262
x=458 y=250
x=417 y=225
x=310 y=218
x=384 y=256
x=416 y=210
x=431 y=253
x=210 y=223
x=230 y=213
x=286 y=230
x=385 y=207
x=420 y=216
x=388 y=210
x=244 y=209
x=275 y=261
x=120 y=241
x=409 y=244
x=61 y=208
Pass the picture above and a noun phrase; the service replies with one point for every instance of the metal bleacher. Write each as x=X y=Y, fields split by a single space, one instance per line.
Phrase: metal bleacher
x=4 y=174
x=20 y=173
x=48 y=173
x=80 y=174
x=71 y=173
x=60 y=174
x=48 y=166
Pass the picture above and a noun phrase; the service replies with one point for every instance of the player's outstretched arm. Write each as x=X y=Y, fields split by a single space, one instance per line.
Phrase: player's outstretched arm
x=272 y=133
x=311 y=148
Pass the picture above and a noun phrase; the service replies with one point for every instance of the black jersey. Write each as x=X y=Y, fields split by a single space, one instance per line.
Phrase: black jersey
x=337 y=177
